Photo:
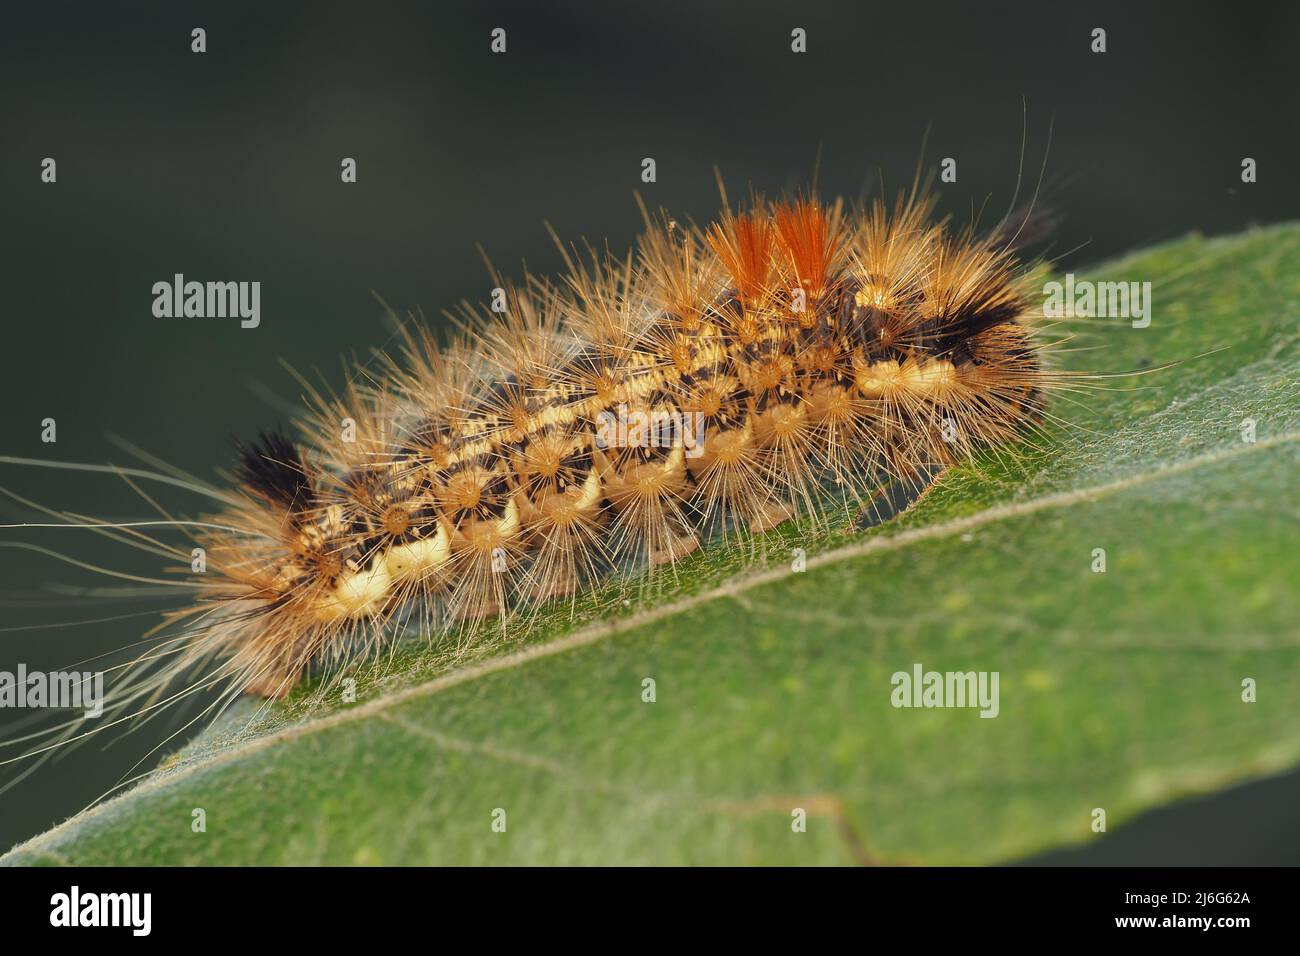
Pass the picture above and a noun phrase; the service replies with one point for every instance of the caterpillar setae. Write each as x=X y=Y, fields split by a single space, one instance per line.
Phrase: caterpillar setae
x=792 y=358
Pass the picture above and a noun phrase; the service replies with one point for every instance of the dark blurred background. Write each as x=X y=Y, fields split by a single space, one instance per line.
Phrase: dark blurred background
x=225 y=166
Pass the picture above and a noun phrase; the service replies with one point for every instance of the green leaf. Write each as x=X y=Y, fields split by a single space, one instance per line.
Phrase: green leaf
x=1118 y=690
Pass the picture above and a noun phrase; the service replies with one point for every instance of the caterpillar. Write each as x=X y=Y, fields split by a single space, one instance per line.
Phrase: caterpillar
x=792 y=358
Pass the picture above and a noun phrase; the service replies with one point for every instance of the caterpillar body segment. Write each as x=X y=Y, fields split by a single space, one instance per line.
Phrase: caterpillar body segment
x=716 y=380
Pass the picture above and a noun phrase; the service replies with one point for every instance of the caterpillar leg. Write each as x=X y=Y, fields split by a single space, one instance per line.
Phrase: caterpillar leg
x=673 y=549
x=772 y=514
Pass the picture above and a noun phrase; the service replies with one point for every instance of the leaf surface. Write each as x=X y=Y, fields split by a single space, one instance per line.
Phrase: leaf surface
x=1119 y=690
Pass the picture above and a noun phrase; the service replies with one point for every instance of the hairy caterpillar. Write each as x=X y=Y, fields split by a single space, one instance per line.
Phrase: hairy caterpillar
x=791 y=358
